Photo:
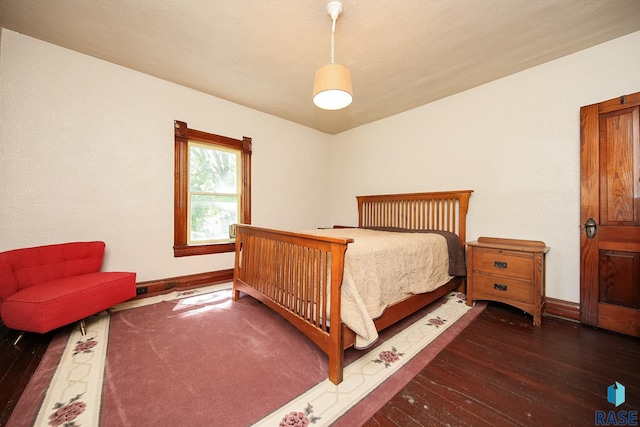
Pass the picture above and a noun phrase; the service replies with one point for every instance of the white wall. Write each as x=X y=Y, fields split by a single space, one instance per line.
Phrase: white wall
x=514 y=141
x=86 y=152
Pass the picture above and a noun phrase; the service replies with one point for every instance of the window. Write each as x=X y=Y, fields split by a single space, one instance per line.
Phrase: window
x=212 y=190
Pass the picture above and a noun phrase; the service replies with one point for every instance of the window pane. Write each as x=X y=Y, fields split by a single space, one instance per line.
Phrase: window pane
x=211 y=170
x=211 y=217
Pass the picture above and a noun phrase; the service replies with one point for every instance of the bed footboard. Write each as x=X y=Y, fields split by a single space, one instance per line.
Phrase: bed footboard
x=299 y=276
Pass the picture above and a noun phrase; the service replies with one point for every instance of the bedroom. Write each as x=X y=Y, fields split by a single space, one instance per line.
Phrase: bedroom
x=87 y=153
x=71 y=117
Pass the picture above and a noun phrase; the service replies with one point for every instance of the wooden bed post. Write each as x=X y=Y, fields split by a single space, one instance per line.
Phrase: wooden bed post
x=235 y=295
x=463 y=210
x=336 y=331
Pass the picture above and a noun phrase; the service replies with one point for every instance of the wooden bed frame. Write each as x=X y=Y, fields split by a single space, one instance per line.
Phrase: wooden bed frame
x=287 y=271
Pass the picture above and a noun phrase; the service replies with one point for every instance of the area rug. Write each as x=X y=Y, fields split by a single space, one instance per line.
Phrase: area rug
x=198 y=358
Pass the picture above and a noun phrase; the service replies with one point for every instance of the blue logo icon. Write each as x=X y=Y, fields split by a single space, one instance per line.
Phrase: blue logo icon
x=615 y=394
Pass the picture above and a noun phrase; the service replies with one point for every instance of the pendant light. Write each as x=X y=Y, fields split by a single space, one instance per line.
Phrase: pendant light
x=332 y=85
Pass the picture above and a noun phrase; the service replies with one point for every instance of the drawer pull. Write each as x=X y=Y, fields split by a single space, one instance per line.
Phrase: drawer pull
x=500 y=287
x=500 y=264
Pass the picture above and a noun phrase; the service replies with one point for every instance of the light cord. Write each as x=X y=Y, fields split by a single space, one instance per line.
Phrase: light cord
x=333 y=40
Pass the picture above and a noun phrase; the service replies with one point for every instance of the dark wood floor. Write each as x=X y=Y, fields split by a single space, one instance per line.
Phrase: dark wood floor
x=17 y=364
x=500 y=371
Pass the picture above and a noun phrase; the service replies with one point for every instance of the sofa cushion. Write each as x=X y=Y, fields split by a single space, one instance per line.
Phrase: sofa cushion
x=22 y=268
x=50 y=305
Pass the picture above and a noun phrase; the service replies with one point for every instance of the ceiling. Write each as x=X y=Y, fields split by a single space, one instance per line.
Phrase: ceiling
x=263 y=54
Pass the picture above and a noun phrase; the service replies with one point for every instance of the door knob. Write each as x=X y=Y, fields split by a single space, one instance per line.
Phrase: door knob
x=590 y=228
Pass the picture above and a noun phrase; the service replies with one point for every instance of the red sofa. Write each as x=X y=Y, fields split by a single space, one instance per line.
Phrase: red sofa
x=43 y=288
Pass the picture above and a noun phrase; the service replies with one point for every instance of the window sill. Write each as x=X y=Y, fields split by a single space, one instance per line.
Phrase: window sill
x=180 y=251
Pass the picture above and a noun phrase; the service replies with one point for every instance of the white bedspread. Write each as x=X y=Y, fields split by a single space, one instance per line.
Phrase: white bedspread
x=382 y=268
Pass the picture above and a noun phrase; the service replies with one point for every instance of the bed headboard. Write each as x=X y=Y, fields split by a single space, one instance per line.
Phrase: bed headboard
x=443 y=210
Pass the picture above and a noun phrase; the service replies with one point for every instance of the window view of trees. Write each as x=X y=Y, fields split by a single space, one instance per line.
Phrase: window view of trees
x=213 y=188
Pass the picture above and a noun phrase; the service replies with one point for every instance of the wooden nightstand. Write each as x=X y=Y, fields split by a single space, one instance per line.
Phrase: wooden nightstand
x=507 y=270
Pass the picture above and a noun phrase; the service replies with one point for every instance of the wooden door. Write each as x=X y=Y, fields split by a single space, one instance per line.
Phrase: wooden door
x=610 y=214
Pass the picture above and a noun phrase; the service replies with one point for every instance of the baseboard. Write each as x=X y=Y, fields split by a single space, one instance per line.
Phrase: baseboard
x=192 y=280
x=560 y=308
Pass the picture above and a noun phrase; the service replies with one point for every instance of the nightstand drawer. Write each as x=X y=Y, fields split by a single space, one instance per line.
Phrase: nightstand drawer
x=504 y=263
x=486 y=286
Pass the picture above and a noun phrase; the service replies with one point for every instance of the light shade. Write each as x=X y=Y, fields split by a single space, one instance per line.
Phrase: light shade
x=332 y=87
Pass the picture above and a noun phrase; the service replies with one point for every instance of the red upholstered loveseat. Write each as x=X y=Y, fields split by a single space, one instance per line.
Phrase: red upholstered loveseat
x=43 y=288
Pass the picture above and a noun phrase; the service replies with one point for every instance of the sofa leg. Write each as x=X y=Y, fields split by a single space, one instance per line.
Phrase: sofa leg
x=83 y=328
x=20 y=335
